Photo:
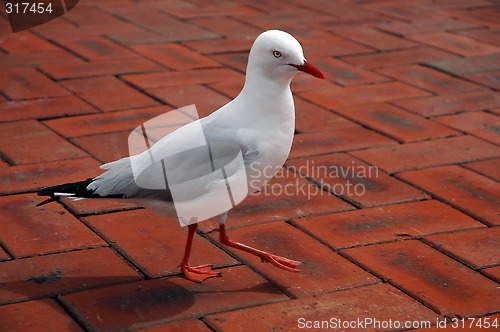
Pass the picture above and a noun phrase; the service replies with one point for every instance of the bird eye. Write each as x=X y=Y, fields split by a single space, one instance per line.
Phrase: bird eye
x=277 y=54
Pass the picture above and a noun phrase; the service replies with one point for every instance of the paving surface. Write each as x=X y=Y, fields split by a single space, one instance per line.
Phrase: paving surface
x=405 y=132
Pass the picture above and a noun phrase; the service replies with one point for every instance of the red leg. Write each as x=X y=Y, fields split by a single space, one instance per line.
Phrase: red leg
x=278 y=261
x=195 y=273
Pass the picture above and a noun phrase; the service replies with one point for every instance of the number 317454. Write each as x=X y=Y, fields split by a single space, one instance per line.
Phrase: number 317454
x=28 y=7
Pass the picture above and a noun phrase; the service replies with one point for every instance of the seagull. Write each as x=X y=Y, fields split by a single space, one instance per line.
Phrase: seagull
x=259 y=122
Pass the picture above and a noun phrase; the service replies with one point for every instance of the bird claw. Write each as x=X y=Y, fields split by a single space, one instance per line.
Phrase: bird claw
x=281 y=262
x=199 y=273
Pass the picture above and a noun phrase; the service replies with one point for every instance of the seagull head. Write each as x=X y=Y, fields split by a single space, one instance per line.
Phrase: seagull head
x=277 y=54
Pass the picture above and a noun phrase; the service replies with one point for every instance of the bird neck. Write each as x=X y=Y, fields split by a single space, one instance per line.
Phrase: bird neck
x=264 y=87
x=270 y=98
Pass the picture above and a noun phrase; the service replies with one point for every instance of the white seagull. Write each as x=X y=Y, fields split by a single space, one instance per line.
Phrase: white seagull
x=260 y=121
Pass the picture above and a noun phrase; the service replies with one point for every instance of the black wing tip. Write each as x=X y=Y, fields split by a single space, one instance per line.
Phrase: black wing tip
x=45 y=192
x=76 y=188
x=49 y=200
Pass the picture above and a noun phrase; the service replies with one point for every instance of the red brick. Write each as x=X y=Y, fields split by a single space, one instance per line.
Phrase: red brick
x=373 y=38
x=428 y=79
x=468 y=191
x=228 y=88
x=231 y=27
x=385 y=223
x=337 y=48
x=26 y=83
x=288 y=18
x=364 y=94
x=450 y=4
x=38 y=142
x=395 y=122
x=405 y=11
x=205 y=99
x=236 y=60
x=25 y=41
x=37 y=58
x=312 y=118
x=419 y=27
x=105 y=147
x=480 y=124
x=43 y=108
x=175 y=56
x=466 y=248
x=342 y=174
x=18 y=179
x=483 y=15
x=84 y=207
x=346 y=74
x=456 y=44
x=489 y=168
x=320 y=266
x=155 y=244
x=272 y=7
x=491 y=78
x=147 y=37
x=108 y=122
x=44 y=276
x=30 y=230
x=431 y=277
x=163 y=25
x=157 y=301
x=100 y=68
x=485 y=35
x=452 y=103
x=92 y=15
x=4 y=255
x=283 y=199
x=468 y=65
x=305 y=82
x=185 y=77
x=493 y=273
x=425 y=154
x=67 y=29
x=225 y=45
x=210 y=11
x=398 y=57
x=192 y=325
x=379 y=302
x=361 y=17
x=108 y=93
x=41 y=315
x=96 y=48
x=345 y=139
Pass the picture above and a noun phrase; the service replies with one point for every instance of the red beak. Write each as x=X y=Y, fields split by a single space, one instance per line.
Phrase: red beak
x=309 y=68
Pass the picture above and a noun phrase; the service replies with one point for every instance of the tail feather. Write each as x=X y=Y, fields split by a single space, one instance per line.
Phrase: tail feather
x=73 y=189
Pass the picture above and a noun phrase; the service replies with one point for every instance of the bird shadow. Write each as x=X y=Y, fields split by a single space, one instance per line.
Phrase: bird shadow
x=107 y=302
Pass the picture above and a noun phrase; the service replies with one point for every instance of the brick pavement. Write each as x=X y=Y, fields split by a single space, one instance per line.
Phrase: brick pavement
x=412 y=89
